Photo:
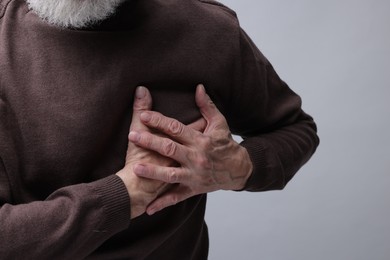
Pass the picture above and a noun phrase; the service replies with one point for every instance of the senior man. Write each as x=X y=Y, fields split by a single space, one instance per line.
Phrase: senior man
x=75 y=184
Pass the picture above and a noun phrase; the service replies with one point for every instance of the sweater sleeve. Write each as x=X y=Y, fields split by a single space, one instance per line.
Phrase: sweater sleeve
x=70 y=224
x=278 y=135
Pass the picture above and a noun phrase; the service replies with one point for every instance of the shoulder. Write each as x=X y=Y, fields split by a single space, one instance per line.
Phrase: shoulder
x=204 y=18
x=207 y=14
x=216 y=10
x=218 y=5
x=202 y=9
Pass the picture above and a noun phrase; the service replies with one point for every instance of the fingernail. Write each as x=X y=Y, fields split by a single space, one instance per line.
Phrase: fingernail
x=201 y=88
x=140 y=92
x=145 y=116
x=134 y=136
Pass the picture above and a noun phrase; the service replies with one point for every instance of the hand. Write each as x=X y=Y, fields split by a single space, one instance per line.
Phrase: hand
x=143 y=191
x=209 y=161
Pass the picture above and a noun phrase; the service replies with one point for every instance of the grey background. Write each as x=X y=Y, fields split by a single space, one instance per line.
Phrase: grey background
x=336 y=55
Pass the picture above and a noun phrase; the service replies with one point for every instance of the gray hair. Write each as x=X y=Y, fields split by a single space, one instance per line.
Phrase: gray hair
x=73 y=13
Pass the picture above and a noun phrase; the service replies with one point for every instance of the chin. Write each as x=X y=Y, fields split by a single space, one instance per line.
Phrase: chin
x=74 y=13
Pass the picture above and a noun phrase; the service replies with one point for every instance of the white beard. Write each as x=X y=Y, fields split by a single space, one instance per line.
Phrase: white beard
x=74 y=13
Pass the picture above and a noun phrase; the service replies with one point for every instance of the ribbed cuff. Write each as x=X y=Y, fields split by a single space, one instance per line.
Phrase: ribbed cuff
x=115 y=201
x=267 y=171
x=257 y=155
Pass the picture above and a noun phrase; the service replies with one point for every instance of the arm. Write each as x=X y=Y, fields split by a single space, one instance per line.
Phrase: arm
x=75 y=220
x=70 y=223
x=212 y=160
x=279 y=137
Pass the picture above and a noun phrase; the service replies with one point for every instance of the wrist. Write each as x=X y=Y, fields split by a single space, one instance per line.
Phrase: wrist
x=124 y=175
x=246 y=165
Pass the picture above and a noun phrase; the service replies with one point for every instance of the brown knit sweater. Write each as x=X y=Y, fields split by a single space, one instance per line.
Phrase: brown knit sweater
x=65 y=109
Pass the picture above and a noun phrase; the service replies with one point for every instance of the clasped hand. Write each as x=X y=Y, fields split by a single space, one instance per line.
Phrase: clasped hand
x=196 y=159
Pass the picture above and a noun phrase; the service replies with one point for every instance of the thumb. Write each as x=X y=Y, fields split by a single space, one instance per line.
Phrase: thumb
x=207 y=107
x=142 y=102
x=198 y=125
x=173 y=196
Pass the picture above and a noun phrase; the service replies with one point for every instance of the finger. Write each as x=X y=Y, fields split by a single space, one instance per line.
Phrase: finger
x=160 y=173
x=171 y=197
x=170 y=127
x=198 y=125
x=207 y=107
x=162 y=145
x=142 y=102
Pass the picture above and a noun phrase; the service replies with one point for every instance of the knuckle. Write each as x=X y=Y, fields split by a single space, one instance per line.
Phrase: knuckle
x=175 y=128
x=139 y=104
x=173 y=177
x=155 y=120
x=146 y=140
x=205 y=142
x=169 y=148
x=203 y=162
